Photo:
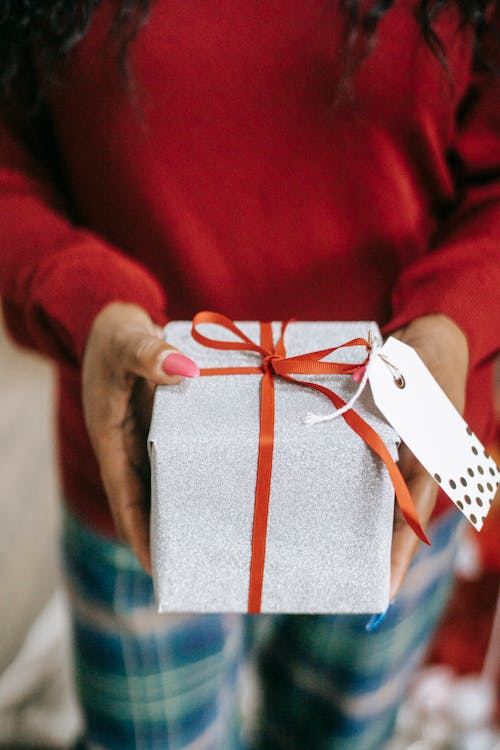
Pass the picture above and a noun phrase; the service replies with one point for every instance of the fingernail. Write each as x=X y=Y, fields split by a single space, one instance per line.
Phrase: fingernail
x=173 y=363
x=357 y=375
x=376 y=620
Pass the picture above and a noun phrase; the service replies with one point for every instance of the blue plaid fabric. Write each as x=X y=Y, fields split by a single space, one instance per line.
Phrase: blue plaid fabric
x=174 y=682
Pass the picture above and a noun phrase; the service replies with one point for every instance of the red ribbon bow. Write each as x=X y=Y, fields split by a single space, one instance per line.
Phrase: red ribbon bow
x=275 y=363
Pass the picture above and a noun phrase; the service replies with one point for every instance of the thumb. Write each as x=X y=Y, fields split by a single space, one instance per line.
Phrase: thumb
x=152 y=358
x=124 y=341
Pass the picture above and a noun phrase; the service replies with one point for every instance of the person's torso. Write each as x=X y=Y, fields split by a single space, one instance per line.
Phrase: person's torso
x=232 y=170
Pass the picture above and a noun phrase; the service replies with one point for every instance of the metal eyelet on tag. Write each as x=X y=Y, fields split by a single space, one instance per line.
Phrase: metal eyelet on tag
x=397 y=376
x=400 y=382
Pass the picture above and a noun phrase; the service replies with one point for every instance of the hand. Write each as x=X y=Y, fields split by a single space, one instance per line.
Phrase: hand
x=443 y=348
x=125 y=358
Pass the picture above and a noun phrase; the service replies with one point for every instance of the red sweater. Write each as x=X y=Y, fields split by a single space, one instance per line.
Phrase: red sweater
x=230 y=180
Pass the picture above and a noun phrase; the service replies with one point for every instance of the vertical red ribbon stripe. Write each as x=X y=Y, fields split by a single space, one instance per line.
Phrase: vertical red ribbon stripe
x=264 y=473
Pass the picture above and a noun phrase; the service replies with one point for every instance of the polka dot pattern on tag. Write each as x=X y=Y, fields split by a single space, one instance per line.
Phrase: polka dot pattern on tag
x=473 y=488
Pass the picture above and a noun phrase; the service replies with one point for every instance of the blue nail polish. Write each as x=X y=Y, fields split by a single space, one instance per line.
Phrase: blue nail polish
x=375 y=620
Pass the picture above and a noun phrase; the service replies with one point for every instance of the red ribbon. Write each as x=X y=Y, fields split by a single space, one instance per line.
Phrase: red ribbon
x=275 y=363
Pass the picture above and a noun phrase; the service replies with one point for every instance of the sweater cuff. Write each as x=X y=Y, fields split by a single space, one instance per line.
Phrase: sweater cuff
x=466 y=292
x=69 y=290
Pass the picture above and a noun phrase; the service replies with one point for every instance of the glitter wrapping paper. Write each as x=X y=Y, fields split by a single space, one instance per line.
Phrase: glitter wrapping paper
x=331 y=501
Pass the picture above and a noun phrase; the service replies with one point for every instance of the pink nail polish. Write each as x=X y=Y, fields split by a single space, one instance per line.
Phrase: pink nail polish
x=357 y=375
x=179 y=364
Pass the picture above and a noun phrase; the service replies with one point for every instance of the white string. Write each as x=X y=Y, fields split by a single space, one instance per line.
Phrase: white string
x=311 y=418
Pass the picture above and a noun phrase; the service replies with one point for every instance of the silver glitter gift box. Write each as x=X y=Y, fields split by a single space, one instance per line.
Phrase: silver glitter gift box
x=331 y=499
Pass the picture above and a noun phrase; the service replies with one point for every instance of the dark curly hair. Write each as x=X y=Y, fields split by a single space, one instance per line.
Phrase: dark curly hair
x=41 y=32
x=38 y=34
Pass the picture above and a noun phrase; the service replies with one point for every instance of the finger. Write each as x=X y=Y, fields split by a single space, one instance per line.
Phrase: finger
x=124 y=343
x=155 y=360
x=141 y=404
x=121 y=458
x=125 y=492
x=114 y=432
x=404 y=542
x=135 y=427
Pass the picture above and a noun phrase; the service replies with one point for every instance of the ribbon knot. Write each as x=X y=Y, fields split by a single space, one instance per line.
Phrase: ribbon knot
x=275 y=363
x=268 y=363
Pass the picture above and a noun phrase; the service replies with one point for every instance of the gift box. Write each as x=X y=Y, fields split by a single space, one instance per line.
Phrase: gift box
x=285 y=516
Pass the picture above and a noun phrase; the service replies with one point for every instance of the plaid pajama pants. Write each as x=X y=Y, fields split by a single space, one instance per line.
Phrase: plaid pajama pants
x=181 y=682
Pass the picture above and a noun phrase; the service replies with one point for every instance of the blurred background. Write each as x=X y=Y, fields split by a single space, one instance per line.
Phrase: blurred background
x=454 y=701
x=37 y=704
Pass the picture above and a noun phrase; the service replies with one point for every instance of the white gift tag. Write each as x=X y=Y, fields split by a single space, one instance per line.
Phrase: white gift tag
x=433 y=429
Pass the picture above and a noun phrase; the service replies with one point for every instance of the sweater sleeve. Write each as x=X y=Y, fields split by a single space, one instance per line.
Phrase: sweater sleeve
x=55 y=276
x=459 y=276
